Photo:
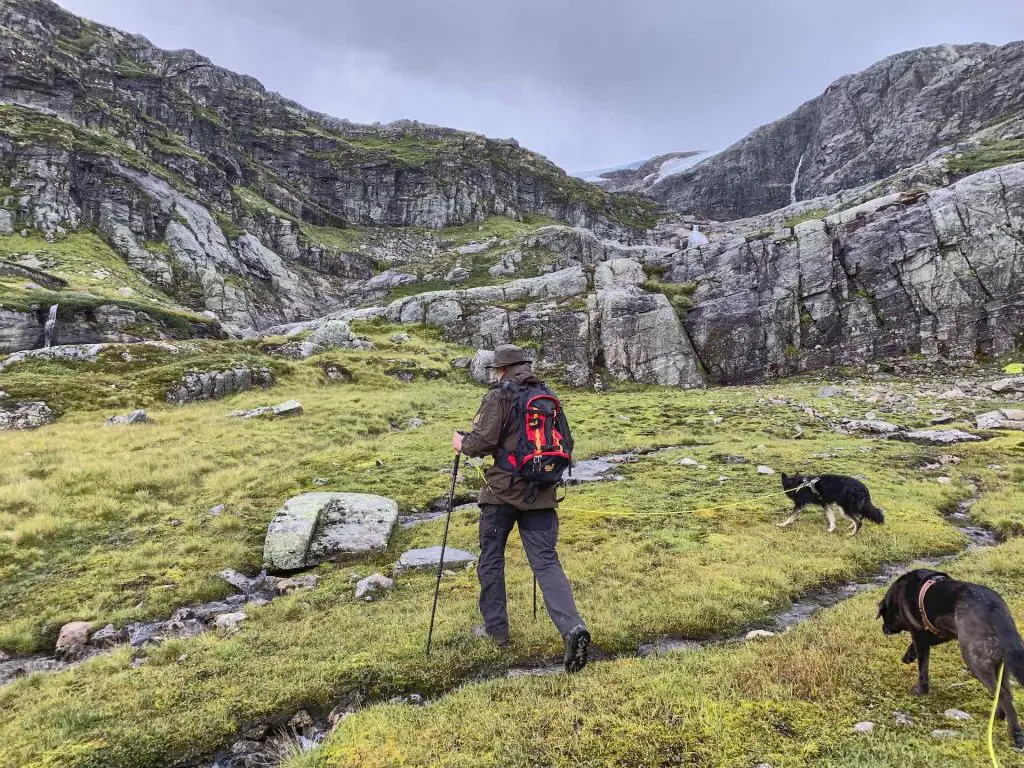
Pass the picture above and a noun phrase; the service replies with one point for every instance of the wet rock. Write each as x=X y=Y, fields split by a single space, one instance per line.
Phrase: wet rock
x=864 y=727
x=73 y=640
x=135 y=417
x=345 y=707
x=108 y=637
x=956 y=714
x=939 y=437
x=245 y=747
x=19 y=416
x=316 y=526
x=237 y=580
x=373 y=587
x=765 y=470
x=256 y=732
x=284 y=410
x=430 y=557
x=229 y=621
x=301 y=721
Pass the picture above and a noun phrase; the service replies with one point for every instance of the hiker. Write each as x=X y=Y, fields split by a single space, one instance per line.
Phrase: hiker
x=509 y=497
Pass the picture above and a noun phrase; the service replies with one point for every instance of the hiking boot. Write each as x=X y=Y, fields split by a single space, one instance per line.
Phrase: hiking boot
x=499 y=640
x=577 y=644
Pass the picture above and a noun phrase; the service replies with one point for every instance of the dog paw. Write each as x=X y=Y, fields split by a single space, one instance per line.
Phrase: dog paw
x=1018 y=741
x=910 y=656
x=920 y=690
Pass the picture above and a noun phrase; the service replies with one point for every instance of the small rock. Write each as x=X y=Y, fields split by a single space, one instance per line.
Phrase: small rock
x=947 y=458
x=216 y=511
x=135 y=417
x=939 y=437
x=229 y=621
x=865 y=727
x=830 y=391
x=942 y=733
x=174 y=522
x=765 y=470
x=372 y=587
x=688 y=462
x=245 y=747
x=1015 y=384
x=415 y=423
x=759 y=634
x=289 y=408
x=301 y=721
x=296 y=584
x=995 y=467
x=722 y=478
x=237 y=580
x=72 y=640
x=400 y=338
x=345 y=707
x=727 y=459
x=943 y=480
x=107 y=637
x=902 y=718
x=943 y=419
x=3 y=395
x=956 y=714
x=320 y=482
x=256 y=732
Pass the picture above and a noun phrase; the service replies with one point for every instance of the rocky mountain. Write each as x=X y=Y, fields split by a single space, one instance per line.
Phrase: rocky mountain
x=641 y=177
x=202 y=192
x=863 y=128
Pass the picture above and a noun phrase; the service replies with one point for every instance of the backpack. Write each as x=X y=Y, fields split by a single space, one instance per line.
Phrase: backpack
x=543 y=449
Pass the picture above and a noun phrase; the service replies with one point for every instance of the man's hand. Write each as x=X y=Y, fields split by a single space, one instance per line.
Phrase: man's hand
x=457 y=442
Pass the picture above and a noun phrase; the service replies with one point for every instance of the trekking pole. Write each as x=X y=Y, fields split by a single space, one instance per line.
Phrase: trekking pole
x=444 y=544
x=535 y=597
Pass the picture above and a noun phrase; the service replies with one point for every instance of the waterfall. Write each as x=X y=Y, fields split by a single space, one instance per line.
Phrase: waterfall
x=796 y=180
x=51 y=321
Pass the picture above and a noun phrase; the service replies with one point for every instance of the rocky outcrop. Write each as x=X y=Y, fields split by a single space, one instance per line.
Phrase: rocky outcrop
x=935 y=273
x=314 y=527
x=24 y=415
x=863 y=128
x=213 y=385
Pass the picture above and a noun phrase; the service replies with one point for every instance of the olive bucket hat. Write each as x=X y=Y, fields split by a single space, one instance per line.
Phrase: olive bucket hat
x=508 y=355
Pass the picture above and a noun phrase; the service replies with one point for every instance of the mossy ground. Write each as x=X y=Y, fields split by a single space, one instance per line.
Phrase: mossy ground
x=86 y=533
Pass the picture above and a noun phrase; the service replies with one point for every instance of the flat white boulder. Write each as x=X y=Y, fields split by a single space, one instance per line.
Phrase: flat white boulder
x=1007 y=418
x=431 y=556
x=939 y=436
x=314 y=527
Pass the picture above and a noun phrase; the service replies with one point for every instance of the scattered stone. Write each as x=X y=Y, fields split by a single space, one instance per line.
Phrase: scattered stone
x=338 y=334
x=945 y=418
x=256 y=732
x=871 y=426
x=245 y=748
x=296 y=584
x=727 y=459
x=373 y=587
x=953 y=394
x=400 y=338
x=174 y=522
x=216 y=511
x=956 y=714
x=902 y=718
x=948 y=458
x=237 y=580
x=943 y=480
x=759 y=634
x=313 y=527
x=462 y=362
x=939 y=437
x=24 y=415
x=765 y=470
x=320 y=482
x=943 y=733
x=415 y=423
x=135 y=417
x=345 y=707
x=830 y=391
x=430 y=557
x=229 y=621
x=108 y=637
x=338 y=373
x=1014 y=384
x=301 y=721
x=293 y=350
x=688 y=462
x=284 y=410
x=213 y=385
x=865 y=727
x=72 y=641
x=1002 y=419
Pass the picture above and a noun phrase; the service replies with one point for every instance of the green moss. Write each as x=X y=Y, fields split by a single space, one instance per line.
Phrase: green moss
x=800 y=218
x=761 y=235
x=258 y=206
x=132 y=69
x=228 y=226
x=991 y=154
x=679 y=295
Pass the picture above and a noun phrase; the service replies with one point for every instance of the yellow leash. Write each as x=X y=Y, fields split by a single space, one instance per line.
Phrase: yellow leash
x=992 y=717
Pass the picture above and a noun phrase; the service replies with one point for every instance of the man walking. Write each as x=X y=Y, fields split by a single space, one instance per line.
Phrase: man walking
x=505 y=500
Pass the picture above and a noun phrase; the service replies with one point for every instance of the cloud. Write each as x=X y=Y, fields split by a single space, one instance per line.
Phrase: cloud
x=587 y=82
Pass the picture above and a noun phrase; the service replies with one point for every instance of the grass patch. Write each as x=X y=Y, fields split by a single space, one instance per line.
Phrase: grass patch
x=800 y=218
x=991 y=154
x=679 y=295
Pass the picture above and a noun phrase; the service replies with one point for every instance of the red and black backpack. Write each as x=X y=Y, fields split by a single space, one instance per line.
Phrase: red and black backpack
x=543 y=449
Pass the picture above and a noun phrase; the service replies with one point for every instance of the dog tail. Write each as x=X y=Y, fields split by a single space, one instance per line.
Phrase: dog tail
x=873 y=513
x=1011 y=645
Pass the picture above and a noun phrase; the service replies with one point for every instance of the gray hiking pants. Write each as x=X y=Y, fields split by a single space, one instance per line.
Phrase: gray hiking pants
x=538 y=530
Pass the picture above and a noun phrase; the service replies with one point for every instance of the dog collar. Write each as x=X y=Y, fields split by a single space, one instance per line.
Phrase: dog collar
x=920 y=604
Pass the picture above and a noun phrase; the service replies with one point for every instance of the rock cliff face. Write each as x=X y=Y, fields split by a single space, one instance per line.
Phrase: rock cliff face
x=863 y=128
x=224 y=197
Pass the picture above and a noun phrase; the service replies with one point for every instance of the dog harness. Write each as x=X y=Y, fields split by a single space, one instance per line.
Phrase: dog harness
x=920 y=604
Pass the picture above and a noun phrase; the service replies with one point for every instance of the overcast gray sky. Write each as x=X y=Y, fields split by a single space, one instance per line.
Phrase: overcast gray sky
x=589 y=83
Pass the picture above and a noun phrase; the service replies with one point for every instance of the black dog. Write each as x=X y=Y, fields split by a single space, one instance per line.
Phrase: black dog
x=848 y=493
x=935 y=609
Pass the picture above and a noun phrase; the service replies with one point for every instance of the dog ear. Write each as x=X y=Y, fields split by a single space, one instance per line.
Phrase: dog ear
x=785 y=478
x=881 y=610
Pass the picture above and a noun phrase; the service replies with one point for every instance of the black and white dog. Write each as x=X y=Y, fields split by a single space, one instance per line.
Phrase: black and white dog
x=847 y=493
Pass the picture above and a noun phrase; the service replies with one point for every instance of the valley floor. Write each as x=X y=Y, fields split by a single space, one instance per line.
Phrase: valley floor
x=113 y=525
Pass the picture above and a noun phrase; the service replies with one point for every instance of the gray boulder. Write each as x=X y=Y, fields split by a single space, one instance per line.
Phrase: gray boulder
x=939 y=436
x=1007 y=418
x=478 y=366
x=871 y=426
x=314 y=527
x=135 y=417
x=213 y=385
x=284 y=410
x=373 y=587
x=1013 y=384
x=430 y=557
x=337 y=334
x=830 y=391
x=24 y=415
x=73 y=640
